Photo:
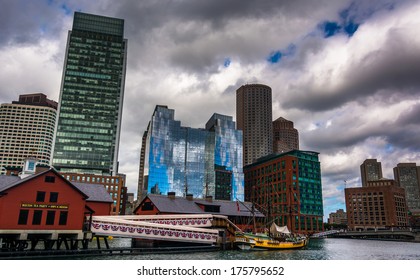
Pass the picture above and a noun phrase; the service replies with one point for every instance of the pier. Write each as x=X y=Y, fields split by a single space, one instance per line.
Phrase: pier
x=155 y=233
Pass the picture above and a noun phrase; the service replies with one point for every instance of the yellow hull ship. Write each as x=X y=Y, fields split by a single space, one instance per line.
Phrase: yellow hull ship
x=264 y=242
x=281 y=241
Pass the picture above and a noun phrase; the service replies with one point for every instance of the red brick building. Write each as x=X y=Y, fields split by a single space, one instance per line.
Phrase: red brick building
x=49 y=205
x=380 y=204
x=287 y=188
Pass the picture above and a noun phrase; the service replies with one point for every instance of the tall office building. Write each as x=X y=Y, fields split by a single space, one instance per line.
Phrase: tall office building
x=370 y=170
x=407 y=176
x=26 y=130
x=91 y=97
x=285 y=136
x=254 y=118
x=192 y=161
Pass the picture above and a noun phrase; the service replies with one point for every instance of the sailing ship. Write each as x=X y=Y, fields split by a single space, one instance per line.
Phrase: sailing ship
x=279 y=238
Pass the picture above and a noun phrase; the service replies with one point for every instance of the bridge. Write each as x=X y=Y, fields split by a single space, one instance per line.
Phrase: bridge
x=388 y=234
x=181 y=228
x=325 y=234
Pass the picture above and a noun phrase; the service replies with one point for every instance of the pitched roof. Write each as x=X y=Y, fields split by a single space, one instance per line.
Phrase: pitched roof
x=92 y=192
x=96 y=193
x=183 y=205
x=5 y=181
x=10 y=183
x=174 y=205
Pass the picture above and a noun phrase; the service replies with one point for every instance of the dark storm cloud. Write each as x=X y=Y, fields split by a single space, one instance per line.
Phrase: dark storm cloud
x=411 y=116
x=381 y=73
x=197 y=36
x=153 y=14
x=25 y=22
x=405 y=132
x=338 y=137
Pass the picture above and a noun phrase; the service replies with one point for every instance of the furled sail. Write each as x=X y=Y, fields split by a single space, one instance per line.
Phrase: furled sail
x=276 y=229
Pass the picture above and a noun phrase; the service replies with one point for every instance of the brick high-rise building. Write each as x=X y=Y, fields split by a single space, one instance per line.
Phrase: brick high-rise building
x=287 y=188
x=379 y=204
x=285 y=136
x=26 y=130
x=254 y=118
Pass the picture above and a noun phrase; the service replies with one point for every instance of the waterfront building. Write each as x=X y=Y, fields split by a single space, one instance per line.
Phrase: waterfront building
x=114 y=185
x=26 y=130
x=370 y=170
x=47 y=206
x=184 y=160
x=239 y=213
x=254 y=118
x=380 y=204
x=407 y=176
x=91 y=96
x=285 y=136
x=287 y=189
x=339 y=217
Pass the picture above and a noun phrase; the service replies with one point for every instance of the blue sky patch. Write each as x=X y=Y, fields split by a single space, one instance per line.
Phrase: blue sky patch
x=227 y=62
x=389 y=148
x=330 y=28
x=351 y=28
x=275 y=57
x=67 y=11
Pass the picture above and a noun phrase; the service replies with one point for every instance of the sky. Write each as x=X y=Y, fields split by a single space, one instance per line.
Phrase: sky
x=345 y=72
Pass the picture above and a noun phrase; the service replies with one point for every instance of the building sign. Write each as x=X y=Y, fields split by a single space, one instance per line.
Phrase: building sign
x=46 y=206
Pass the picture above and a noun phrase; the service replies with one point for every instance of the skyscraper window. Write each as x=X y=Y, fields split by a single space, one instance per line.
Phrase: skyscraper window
x=91 y=97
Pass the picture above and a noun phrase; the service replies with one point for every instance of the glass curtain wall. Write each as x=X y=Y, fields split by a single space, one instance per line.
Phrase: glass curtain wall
x=91 y=98
x=184 y=160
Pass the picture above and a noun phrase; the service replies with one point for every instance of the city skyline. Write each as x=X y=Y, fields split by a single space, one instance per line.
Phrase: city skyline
x=344 y=73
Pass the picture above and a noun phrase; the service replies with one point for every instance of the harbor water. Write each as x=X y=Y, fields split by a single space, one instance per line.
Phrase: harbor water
x=318 y=249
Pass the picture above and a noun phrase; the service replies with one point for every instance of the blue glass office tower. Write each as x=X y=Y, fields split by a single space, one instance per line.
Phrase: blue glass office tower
x=184 y=160
x=91 y=97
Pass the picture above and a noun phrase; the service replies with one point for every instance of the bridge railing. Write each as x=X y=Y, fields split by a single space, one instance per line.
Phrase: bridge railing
x=325 y=233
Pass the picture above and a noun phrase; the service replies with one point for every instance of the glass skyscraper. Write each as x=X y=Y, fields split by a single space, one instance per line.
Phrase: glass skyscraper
x=91 y=97
x=184 y=160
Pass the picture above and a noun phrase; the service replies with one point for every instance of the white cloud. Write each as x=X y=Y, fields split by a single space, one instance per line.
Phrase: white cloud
x=28 y=69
